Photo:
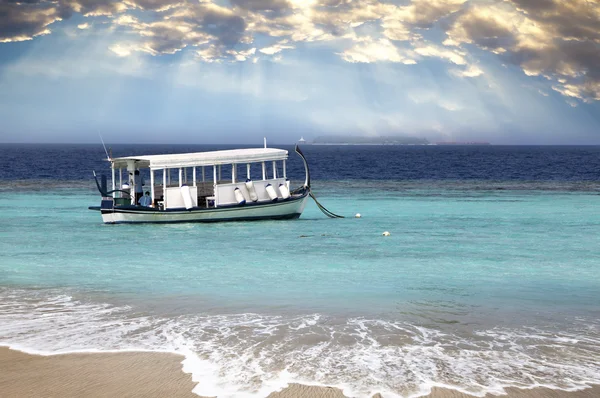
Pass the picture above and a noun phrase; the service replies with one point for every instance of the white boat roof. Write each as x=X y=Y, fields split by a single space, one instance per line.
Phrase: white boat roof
x=176 y=160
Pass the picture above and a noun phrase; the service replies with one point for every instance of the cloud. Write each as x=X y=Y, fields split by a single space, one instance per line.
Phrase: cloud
x=557 y=40
x=211 y=53
x=574 y=19
x=243 y=55
x=424 y=13
x=93 y=8
x=301 y=24
x=276 y=48
x=588 y=89
x=161 y=37
x=471 y=71
x=373 y=51
x=122 y=50
x=155 y=5
x=24 y=21
x=219 y=22
x=262 y=5
x=188 y=26
x=434 y=51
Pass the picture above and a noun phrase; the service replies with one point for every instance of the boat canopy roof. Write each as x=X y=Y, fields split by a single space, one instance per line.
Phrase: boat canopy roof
x=234 y=156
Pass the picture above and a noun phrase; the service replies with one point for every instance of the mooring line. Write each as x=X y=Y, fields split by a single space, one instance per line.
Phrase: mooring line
x=328 y=213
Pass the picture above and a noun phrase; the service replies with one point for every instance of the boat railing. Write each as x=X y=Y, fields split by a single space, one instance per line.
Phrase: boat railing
x=206 y=194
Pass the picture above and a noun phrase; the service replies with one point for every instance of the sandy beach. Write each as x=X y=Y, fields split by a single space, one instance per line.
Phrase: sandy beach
x=145 y=374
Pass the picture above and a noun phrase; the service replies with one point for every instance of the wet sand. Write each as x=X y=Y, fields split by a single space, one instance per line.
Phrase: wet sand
x=126 y=374
x=143 y=374
x=300 y=391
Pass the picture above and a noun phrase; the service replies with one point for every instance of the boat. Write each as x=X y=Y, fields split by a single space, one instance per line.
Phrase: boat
x=202 y=187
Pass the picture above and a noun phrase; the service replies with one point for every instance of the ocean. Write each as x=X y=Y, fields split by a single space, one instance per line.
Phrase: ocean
x=490 y=277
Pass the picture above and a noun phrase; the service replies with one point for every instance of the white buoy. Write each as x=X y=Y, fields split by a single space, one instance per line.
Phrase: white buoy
x=386 y=233
x=357 y=215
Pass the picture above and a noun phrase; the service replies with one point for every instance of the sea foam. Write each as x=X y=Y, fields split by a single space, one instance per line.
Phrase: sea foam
x=251 y=355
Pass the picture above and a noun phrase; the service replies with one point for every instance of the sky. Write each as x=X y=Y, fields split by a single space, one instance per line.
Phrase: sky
x=234 y=71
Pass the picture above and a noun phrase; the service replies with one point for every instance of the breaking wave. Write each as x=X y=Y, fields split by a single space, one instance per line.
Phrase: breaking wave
x=249 y=354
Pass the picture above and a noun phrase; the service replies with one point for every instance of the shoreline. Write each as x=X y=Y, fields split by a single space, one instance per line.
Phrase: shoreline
x=160 y=374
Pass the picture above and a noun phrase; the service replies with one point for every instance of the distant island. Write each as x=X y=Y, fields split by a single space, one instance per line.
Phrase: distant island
x=358 y=140
x=462 y=143
x=383 y=140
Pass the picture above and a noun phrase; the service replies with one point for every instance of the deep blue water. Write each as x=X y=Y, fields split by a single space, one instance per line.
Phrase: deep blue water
x=332 y=163
x=490 y=278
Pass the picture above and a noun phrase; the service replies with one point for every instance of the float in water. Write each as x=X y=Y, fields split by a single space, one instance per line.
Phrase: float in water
x=191 y=187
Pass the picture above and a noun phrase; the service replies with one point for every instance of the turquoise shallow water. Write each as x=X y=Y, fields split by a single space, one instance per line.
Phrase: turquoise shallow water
x=475 y=289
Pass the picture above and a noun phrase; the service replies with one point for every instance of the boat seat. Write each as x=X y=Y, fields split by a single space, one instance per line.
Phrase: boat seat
x=210 y=199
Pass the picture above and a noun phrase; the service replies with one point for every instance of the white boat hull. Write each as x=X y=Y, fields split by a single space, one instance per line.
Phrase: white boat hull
x=282 y=209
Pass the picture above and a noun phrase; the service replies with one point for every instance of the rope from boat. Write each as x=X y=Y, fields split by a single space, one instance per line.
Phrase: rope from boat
x=322 y=208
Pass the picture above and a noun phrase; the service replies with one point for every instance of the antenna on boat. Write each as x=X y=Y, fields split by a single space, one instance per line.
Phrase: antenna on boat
x=105 y=151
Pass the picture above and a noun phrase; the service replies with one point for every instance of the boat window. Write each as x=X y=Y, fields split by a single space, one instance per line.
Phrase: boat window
x=225 y=176
x=167 y=177
x=204 y=173
x=187 y=175
x=255 y=171
x=269 y=170
x=236 y=173
x=145 y=177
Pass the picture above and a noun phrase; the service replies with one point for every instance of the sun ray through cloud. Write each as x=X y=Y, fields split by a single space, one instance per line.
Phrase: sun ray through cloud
x=257 y=51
